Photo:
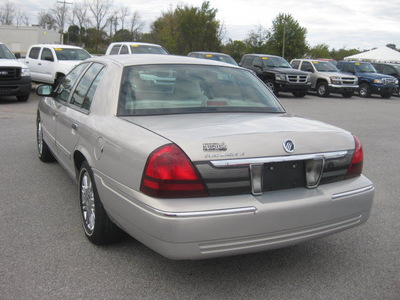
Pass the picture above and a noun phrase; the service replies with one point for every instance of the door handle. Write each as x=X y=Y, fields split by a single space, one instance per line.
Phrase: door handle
x=74 y=126
x=55 y=114
x=39 y=64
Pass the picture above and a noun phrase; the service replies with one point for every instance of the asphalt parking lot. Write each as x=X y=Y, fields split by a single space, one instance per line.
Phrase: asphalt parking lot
x=45 y=255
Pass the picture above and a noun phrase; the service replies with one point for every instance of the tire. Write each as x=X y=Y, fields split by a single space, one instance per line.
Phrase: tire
x=271 y=85
x=322 y=89
x=348 y=94
x=23 y=98
x=98 y=227
x=386 y=95
x=365 y=90
x=44 y=152
x=300 y=94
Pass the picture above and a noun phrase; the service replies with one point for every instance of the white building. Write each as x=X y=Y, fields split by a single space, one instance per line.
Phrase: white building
x=19 y=38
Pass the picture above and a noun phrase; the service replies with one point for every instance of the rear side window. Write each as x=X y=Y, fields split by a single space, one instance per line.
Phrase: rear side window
x=247 y=61
x=85 y=89
x=115 y=49
x=34 y=53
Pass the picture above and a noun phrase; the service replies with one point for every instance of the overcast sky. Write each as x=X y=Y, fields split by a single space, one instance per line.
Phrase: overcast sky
x=360 y=24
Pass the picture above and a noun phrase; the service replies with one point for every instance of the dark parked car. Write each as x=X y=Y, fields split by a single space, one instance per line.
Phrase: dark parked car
x=277 y=74
x=369 y=80
x=214 y=56
x=388 y=69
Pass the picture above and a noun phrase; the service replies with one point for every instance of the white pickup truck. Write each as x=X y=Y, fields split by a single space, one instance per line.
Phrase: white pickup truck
x=49 y=63
x=14 y=76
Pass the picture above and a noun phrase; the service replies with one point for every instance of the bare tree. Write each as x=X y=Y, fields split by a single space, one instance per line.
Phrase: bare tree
x=19 y=17
x=60 y=14
x=135 y=25
x=123 y=13
x=7 y=13
x=47 y=21
x=99 y=10
x=80 y=11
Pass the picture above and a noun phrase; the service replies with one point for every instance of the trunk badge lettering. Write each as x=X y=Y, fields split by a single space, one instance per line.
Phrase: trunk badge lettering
x=215 y=147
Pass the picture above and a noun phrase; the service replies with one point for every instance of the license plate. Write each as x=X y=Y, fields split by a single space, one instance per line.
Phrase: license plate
x=283 y=175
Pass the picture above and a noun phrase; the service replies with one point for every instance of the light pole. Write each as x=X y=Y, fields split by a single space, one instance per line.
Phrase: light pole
x=62 y=20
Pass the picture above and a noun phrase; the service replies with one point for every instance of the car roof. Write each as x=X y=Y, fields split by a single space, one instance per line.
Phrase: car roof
x=209 y=52
x=134 y=43
x=262 y=55
x=157 y=59
x=56 y=46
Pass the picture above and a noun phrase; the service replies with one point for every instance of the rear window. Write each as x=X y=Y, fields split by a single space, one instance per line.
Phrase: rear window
x=147 y=49
x=166 y=89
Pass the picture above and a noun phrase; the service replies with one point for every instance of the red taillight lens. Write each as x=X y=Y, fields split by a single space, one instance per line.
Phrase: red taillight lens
x=169 y=173
x=356 y=164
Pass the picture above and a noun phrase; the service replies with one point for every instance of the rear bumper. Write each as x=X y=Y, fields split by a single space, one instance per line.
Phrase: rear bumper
x=199 y=228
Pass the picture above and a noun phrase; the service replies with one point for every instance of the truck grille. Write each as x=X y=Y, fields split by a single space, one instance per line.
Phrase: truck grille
x=297 y=78
x=10 y=73
x=348 y=80
x=388 y=81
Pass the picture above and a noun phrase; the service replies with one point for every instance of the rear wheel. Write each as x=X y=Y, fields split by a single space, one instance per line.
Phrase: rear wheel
x=98 y=227
x=300 y=94
x=365 y=90
x=44 y=152
x=322 y=89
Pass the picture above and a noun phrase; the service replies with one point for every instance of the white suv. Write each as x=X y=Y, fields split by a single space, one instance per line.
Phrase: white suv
x=326 y=78
x=49 y=63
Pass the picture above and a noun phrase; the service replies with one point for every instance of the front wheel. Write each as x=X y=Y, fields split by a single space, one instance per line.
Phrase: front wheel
x=300 y=94
x=271 y=85
x=386 y=95
x=365 y=90
x=322 y=89
x=98 y=227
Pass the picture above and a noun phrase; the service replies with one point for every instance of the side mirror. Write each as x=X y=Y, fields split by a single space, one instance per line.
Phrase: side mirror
x=17 y=55
x=257 y=65
x=44 y=90
x=48 y=58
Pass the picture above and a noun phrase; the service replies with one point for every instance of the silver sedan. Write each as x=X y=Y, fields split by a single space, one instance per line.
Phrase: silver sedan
x=197 y=158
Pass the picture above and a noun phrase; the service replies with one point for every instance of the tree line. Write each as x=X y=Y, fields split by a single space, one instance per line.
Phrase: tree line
x=93 y=24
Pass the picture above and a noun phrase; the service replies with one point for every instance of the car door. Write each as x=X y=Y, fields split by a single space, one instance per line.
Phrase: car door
x=46 y=65
x=72 y=118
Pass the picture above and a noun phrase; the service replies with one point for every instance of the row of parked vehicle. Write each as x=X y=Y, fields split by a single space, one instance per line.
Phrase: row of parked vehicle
x=49 y=63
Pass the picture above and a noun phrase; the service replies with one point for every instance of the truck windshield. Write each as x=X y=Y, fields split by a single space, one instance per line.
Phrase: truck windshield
x=323 y=66
x=276 y=62
x=5 y=53
x=365 y=68
x=71 y=54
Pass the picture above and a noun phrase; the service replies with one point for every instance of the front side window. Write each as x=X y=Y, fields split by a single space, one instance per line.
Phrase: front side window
x=306 y=66
x=124 y=50
x=46 y=55
x=84 y=86
x=64 y=89
x=169 y=89
x=71 y=54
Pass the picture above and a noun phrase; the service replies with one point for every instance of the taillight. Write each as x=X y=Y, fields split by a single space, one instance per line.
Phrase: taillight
x=356 y=164
x=169 y=173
